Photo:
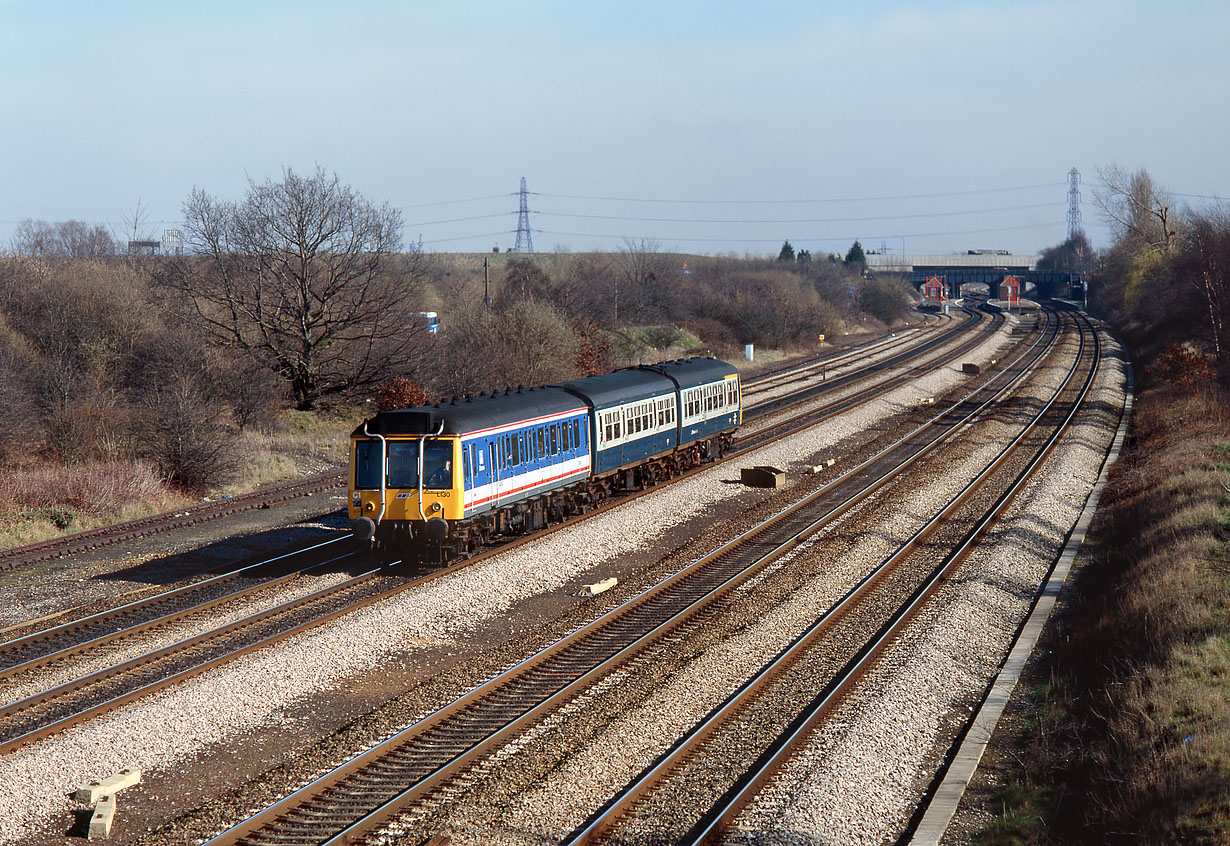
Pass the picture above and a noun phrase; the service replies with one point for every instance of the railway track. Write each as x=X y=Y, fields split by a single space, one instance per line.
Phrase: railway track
x=853 y=371
x=778 y=697
x=133 y=529
x=47 y=711
x=366 y=792
x=283 y=493
x=834 y=363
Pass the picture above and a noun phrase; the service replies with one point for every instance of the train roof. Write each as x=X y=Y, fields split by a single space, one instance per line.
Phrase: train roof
x=643 y=381
x=472 y=414
x=501 y=408
x=693 y=371
x=619 y=387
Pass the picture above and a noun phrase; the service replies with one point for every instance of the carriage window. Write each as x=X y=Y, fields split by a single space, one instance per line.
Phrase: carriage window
x=576 y=432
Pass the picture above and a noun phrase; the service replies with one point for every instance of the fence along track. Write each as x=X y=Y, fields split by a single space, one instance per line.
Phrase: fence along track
x=365 y=792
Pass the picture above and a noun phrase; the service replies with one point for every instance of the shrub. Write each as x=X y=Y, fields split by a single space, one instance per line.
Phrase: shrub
x=400 y=392
x=1179 y=366
x=102 y=488
x=252 y=392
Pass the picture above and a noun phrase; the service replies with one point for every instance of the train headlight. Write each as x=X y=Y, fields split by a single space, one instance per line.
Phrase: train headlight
x=371 y=506
x=435 y=506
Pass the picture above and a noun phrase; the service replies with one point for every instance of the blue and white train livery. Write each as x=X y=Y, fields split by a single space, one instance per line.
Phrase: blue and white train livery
x=438 y=481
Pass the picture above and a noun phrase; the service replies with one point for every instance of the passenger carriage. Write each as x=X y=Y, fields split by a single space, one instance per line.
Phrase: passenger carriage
x=438 y=481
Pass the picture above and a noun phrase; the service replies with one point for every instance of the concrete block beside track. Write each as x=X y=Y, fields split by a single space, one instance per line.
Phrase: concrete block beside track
x=763 y=476
x=90 y=792
x=599 y=587
x=104 y=816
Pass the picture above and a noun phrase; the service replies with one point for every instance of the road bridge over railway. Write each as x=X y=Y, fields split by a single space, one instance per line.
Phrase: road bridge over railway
x=988 y=268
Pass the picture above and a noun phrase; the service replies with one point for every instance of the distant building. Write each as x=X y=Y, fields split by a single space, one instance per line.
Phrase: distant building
x=144 y=248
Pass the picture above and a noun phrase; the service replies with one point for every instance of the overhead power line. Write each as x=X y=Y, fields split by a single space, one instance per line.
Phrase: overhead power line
x=460 y=219
x=455 y=202
x=813 y=200
x=467 y=237
x=803 y=220
x=835 y=238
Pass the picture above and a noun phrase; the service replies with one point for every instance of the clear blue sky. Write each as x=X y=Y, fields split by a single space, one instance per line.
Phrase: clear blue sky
x=813 y=121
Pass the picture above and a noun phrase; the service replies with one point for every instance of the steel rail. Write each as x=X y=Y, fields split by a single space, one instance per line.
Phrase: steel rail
x=110 y=619
x=860 y=396
x=689 y=745
x=804 y=394
x=91 y=539
x=437 y=746
x=52 y=727
x=20 y=710
x=181 y=518
x=783 y=370
x=751 y=783
x=134 y=617
x=810 y=369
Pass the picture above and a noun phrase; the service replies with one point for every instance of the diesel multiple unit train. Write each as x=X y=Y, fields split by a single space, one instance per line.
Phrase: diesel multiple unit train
x=436 y=482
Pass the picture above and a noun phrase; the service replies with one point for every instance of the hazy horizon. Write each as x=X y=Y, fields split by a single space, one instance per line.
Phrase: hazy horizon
x=709 y=128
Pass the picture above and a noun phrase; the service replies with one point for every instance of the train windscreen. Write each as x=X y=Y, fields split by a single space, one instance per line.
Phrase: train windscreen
x=403 y=465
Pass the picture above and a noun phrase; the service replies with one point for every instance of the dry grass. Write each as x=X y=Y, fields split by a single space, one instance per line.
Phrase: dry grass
x=47 y=501
x=43 y=502
x=1137 y=738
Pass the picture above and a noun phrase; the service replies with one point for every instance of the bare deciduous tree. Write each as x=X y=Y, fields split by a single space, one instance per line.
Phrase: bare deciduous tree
x=640 y=263
x=526 y=343
x=1137 y=208
x=1204 y=265
x=64 y=239
x=135 y=227
x=298 y=275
